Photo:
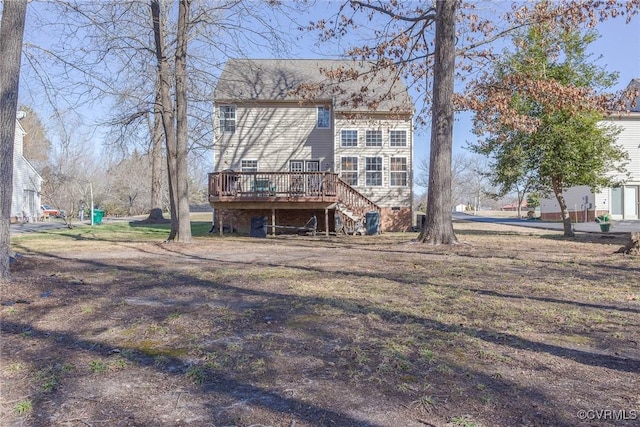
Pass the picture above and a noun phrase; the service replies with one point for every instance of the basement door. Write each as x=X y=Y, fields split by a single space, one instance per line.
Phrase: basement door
x=631 y=202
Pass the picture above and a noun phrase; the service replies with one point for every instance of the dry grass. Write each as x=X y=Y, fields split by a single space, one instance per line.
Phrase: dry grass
x=512 y=327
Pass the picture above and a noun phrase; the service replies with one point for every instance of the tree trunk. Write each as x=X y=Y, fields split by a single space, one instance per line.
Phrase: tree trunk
x=438 y=224
x=566 y=218
x=633 y=245
x=182 y=174
x=156 y=155
x=166 y=112
x=11 y=33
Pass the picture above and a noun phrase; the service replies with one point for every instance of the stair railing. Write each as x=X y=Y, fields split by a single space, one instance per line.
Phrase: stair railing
x=355 y=202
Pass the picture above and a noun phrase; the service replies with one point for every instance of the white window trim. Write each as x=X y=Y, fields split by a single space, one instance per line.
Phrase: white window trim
x=357 y=138
x=366 y=142
x=328 y=110
x=406 y=171
x=381 y=171
x=222 y=118
x=406 y=138
x=249 y=160
x=357 y=169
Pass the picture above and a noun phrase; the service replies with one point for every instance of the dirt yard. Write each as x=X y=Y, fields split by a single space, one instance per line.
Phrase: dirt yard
x=513 y=327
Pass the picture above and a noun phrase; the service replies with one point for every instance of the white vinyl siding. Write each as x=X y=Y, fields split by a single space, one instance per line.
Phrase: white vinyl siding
x=274 y=134
x=349 y=170
x=26 y=181
x=629 y=141
x=379 y=193
x=348 y=138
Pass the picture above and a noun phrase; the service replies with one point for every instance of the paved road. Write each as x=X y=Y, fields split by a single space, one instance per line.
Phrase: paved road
x=30 y=227
x=57 y=223
x=587 y=227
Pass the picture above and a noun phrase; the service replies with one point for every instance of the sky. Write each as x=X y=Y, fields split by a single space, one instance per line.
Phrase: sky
x=617 y=50
x=618 y=47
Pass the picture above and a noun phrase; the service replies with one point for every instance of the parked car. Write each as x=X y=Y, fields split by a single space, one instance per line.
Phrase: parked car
x=48 y=210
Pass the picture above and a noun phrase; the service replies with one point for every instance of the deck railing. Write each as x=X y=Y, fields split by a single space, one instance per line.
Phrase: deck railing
x=229 y=185
x=293 y=187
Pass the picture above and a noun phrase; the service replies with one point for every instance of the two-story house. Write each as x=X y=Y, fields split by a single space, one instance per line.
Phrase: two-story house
x=27 y=182
x=300 y=138
x=621 y=202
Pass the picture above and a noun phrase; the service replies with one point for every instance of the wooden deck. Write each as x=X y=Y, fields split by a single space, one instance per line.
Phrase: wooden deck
x=248 y=190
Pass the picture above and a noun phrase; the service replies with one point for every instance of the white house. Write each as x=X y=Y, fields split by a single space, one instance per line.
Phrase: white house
x=622 y=203
x=27 y=182
x=343 y=147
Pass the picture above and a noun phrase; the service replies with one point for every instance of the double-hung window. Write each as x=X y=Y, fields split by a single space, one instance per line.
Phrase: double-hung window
x=398 y=138
x=349 y=170
x=348 y=138
x=324 y=118
x=373 y=171
x=373 y=138
x=398 y=171
x=227 y=118
x=249 y=166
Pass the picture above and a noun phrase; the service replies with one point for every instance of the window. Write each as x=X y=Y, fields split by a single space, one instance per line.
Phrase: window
x=349 y=138
x=398 y=138
x=373 y=138
x=296 y=165
x=349 y=170
x=324 y=118
x=249 y=166
x=398 y=172
x=228 y=118
x=373 y=171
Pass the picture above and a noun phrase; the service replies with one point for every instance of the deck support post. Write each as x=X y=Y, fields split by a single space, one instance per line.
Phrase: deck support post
x=220 y=222
x=326 y=222
x=273 y=221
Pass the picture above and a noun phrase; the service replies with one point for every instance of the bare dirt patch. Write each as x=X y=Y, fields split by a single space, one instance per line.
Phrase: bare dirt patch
x=513 y=327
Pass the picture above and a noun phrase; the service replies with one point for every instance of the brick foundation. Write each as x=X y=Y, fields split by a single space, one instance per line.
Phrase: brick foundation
x=557 y=216
x=239 y=220
x=396 y=220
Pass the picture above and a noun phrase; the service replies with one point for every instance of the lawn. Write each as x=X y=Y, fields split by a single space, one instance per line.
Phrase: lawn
x=109 y=326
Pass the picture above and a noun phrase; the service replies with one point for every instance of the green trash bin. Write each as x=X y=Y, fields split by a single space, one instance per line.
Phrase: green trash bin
x=604 y=221
x=97 y=216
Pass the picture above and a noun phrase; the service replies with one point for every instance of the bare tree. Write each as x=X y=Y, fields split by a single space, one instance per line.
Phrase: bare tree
x=181 y=174
x=11 y=34
x=121 y=35
x=402 y=42
x=71 y=171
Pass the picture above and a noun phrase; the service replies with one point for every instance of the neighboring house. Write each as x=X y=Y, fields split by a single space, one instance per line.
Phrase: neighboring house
x=291 y=144
x=27 y=183
x=623 y=202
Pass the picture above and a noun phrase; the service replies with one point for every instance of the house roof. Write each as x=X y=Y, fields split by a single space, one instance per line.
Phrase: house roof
x=634 y=88
x=355 y=86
